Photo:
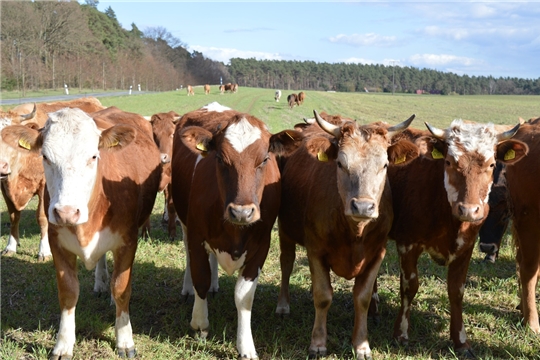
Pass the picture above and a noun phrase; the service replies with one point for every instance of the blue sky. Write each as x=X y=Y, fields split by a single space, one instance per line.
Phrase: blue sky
x=496 y=38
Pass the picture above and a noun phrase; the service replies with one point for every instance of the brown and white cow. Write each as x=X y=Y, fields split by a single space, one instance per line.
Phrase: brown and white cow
x=440 y=201
x=336 y=201
x=221 y=89
x=292 y=99
x=101 y=186
x=190 y=90
x=524 y=197
x=301 y=97
x=226 y=191
x=206 y=89
x=277 y=95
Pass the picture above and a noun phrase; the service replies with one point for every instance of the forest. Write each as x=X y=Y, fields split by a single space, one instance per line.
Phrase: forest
x=45 y=45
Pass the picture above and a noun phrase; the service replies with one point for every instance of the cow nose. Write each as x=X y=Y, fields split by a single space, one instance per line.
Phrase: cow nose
x=165 y=158
x=67 y=215
x=489 y=249
x=470 y=212
x=363 y=208
x=4 y=168
x=242 y=214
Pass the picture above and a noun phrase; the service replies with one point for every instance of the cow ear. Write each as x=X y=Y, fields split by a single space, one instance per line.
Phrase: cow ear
x=511 y=151
x=431 y=148
x=402 y=153
x=22 y=138
x=117 y=137
x=321 y=148
x=197 y=139
x=285 y=142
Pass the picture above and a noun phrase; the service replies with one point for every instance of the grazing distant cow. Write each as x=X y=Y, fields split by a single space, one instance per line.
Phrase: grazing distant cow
x=190 y=90
x=277 y=95
x=292 y=99
x=440 y=201
x=226 y=190
x=221 y=89
x=101 y=186
x=301 y=97
x=235 y=88
x=336 y=201
x=206 y=89
x=163 y=125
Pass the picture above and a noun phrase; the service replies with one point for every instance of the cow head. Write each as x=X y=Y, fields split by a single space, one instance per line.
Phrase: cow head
x=469 y=151
x=12 y=161
x=243 y=152
x=70 y=144
x=361 y=155
x=163 y=125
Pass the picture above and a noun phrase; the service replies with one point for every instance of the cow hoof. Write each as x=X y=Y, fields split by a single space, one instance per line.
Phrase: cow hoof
x=315 y=353
x=200 y=335
x=127 y=353
x=402 y=341
x=466 y=353
x=60 y=357
x=44 y=258
x=8 y=253
x=245 y=357
x=367 y=356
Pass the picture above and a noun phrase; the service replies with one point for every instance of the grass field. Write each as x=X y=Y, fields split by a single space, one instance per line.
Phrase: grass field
x=160 y=319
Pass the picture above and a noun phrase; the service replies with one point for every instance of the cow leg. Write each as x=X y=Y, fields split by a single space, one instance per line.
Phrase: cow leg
x=457 y=274
x=171 y=222
x=362 y=293
x=101 y=277
x=44 y=247
x=14 y=220
x=408 y=287
x=121 y=293
x=68 y=294
x=373 y=310
x=528 y=253
x=244 y=292
x=286 y=258
x=145 y=228
x=200 y=271
x=322 y=299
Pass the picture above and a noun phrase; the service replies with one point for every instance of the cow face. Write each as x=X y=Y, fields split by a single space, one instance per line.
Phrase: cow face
x=70 y=144
x=469 y=151
x=163 y=125
x=243 y=152
x=362 y=155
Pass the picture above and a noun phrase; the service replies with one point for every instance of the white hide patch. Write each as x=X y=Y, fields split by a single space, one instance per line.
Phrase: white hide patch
x=124 y=333
x=66 y=333
x=215 y=106
x=480 y=138
x=225 y=260
x=244 y=293
x=462 y=334
x=451 y=192
x=242 y=134
x=460 y=242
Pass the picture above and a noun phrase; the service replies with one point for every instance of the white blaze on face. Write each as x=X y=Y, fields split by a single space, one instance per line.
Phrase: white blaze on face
x=471 y=137
x=70 y=151
x=242 y=134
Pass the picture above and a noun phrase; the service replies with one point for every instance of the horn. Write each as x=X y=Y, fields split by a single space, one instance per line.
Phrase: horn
x=309 y=121
x=326 y=126
x=438 y=133
x=31 y=115
x=396 y=129
x=508 y=134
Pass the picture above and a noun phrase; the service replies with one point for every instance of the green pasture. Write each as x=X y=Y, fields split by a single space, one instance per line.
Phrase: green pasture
x=30 y=312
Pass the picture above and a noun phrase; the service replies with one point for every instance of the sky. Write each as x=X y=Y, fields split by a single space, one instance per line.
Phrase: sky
x=475 y=38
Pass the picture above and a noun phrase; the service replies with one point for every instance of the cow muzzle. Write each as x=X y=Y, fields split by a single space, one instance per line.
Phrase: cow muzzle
x=5 y=170
x=363 y=208
x=469 y=212
x=66 y=215
x=165 y=158
x=242 y=214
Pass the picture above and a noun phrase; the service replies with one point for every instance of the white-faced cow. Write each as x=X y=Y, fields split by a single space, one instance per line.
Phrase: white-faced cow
x=101 y=186
x=226 y=191
x=336 y=201
x=277 y=95
x=440 y=202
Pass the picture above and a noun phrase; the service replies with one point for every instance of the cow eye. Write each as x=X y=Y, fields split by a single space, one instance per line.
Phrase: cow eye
x=492 y=165
x=447 y=163
x=264 y=161
x=339 y=165
x=219 y=159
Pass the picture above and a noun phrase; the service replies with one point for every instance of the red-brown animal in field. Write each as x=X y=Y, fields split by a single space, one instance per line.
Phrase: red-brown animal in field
x=101 y=186
x=235 y=88
x=228 y=87
x=292 y=99
x=163 y=125
x=301 y=97
x=206 y=89
x=440 y=202
x=524 y=198
x=336 y=202
x=190 y=90
x=221 y=89
x=226 y=191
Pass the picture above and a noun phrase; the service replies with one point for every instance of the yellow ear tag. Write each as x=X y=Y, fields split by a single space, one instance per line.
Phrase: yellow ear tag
x=321 y=156
x=400 y=160
x=24 y=144
x=436 y=154
x=115 y=143
x=510 y=154
x=201 y=147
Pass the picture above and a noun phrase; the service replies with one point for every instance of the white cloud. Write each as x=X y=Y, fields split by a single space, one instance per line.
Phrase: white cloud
x=225 y=54
x=435 y=60
x=368 y=39
x=355 y=60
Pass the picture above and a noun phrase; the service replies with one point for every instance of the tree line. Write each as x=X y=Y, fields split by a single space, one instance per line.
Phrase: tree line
x=45 y=45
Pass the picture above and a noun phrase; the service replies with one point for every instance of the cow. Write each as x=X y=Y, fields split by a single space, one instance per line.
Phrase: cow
x=163 y=125
x=206 y=89
x=226 y=191
x=221 y=89
x=292 y=99
x=301 y=97
x=440 y=201
x=101 y=186
x=190 y=90
x=336 y=202
x=235 y=88
x=524 y=198
x=277 y=95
